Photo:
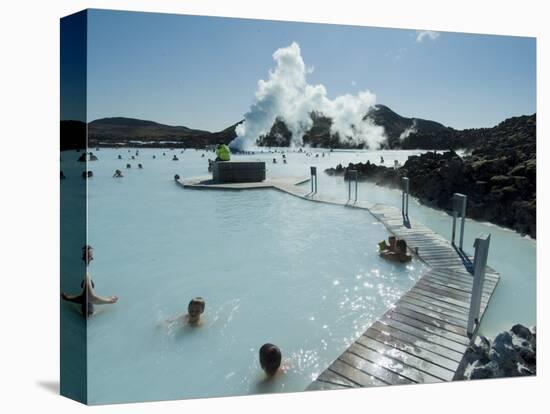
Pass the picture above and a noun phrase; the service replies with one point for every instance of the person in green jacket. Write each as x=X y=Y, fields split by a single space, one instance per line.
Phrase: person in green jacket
x=222 y=152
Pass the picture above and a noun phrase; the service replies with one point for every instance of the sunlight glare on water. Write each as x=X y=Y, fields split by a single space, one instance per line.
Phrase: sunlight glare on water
x=271 y=267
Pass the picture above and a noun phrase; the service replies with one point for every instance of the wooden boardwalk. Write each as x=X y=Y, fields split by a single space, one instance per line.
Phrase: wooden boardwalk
x=422 y=337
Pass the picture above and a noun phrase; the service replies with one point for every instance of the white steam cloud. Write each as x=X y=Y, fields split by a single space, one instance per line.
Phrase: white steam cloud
x=410 y=130
x=287 y=95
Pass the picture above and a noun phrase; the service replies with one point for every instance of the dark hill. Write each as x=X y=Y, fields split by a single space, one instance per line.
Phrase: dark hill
x=498 y=176
x=120 y=130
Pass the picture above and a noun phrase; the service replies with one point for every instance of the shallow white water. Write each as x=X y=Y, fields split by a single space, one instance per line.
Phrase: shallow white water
x=272 y=268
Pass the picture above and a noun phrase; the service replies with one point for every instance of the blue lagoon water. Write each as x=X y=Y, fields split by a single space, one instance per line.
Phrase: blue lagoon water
x=271 y=268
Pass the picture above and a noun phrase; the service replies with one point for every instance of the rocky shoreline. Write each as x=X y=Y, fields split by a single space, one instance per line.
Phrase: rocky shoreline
x=499 y=177
x=512 y=353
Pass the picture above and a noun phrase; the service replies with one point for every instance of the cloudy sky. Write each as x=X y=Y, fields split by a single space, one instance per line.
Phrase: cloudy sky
x=203 y=72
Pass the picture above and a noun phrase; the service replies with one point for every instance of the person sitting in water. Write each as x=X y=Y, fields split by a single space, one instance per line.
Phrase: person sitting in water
x=270 y=359
x=175 y=158
x=62 y=175
x=222 y=152
x=140 y=166
x=400 y=253
x=119 y=156
x=194 y=311
x=128 y=166
x=390 y=245
x=118 y=174
x=87 y=298
x=274 y=160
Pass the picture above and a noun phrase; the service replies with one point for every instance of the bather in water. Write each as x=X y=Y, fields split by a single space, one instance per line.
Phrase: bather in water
x=87 y=297
x=270 y=359
x=398 y=254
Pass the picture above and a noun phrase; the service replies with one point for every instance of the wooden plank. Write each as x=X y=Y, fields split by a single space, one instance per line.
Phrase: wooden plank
x=421 y=290
x=404 y=337
x=412 y=349
x=424 y=335
x=355 y=375
x=464 y=280
x=458 y=326
x=426 y=323
x=406 y=358
x=393 y=365
x=320 y=385
x=487 y=290
x=331 y=377
x=374 y=370
x=435 y=306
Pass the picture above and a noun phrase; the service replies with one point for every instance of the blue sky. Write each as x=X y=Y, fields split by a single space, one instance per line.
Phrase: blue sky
x=202 y=72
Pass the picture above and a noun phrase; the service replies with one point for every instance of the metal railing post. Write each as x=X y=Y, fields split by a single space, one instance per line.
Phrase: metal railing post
x=459 y=208
x=356 y=186
x=352 y=175
x=313 y=182
x=405 y=196
x=481 y=245
x=463 y=221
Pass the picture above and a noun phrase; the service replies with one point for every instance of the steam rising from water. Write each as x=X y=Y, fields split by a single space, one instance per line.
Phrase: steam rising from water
x=410 y=130
x=287 y=95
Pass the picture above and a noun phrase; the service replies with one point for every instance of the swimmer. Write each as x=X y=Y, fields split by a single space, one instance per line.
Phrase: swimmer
x=175 y=158
x=140 y=166
x=133 y=157
x=119 y=156
x=400 y=253
x=194 y=311
x=270 y=359
x=381 y=160
x=274 y=161
x=118 y=174
x=87 y=298
x=62 y=175
x=128 y=166
x=154 y=156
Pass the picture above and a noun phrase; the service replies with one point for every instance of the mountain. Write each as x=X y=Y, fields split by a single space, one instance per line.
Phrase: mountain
x=397 y=128
x=402 y=133
x=122 y=130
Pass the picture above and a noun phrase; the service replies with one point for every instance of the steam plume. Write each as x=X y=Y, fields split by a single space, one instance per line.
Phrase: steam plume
x=287 y=95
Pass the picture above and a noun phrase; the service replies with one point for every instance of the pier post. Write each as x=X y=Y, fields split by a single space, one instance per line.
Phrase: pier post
x=405 y=196
x=352 y=174
x=459 y=208
x=313 y=180
x=481 y=246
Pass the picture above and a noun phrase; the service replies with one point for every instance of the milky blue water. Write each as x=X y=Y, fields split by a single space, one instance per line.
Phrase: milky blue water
x=271 y=267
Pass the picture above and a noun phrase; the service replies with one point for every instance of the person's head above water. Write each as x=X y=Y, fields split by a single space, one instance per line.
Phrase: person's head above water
x=270 y=358
x=401 y=246
x=195 y=309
